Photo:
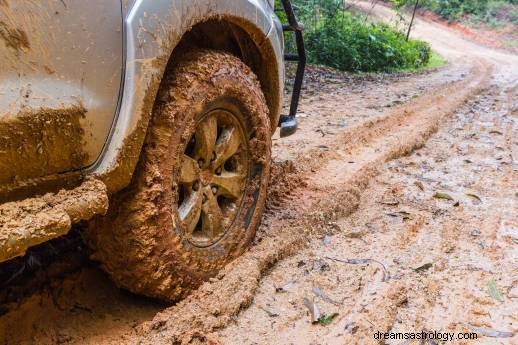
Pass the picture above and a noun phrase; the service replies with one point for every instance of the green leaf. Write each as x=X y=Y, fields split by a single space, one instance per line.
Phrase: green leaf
x=325 y=320
x=493 y=290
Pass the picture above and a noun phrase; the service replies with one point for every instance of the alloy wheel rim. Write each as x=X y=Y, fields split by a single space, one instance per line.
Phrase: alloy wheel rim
x=213 y=176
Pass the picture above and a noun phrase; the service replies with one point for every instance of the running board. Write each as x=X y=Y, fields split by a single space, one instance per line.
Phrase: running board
x=26 y=223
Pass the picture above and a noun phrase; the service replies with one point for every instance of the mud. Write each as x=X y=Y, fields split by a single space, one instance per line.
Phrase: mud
x=13 y=38
x=41 y=142
x=33 y=221
x=353 y=223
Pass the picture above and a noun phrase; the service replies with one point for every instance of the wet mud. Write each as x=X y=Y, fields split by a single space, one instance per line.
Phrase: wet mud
x=41 y=142
x=13 y=38
x=29 y=222
x=393 y=208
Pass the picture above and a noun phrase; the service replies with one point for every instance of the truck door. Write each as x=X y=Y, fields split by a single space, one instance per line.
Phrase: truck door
x=60 y=77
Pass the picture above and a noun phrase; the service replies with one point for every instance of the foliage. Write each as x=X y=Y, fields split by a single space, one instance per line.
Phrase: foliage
x=488 y=11
x=339 y=39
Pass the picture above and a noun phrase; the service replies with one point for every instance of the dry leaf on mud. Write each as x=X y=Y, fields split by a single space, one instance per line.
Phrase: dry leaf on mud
x=493 y=291
x=492 y=333
x=313 y=310
x=351 y=327
x=474 y=196
x=324 y=296
x=269 y=312
x=325 y=320
x=443 y=196
x=424 y=267
x=285 y=288
x=403 y=214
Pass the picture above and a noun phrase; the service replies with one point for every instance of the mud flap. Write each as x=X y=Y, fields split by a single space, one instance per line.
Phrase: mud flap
x=288 y=123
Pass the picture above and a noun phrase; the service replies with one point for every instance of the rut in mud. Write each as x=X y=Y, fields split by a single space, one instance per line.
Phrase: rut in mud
x=365 y=218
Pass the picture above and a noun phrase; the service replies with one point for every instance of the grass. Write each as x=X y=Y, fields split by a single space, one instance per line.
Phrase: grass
x=436 y=61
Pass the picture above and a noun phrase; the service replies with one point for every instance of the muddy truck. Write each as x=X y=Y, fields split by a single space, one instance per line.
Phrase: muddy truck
x=148 y=120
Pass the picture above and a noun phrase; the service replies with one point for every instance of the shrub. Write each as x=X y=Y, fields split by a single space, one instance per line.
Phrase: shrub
x=487 y=11
x=339 y=39
x=347 y=43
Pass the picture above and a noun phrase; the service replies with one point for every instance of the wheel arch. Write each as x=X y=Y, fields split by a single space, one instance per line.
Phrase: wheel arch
x=150 y=45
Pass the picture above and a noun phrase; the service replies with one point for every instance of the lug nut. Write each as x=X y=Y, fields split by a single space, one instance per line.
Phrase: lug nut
x=218 y=171
x=196 y=185
x=200 y=162
x=204 y=198
x=214 y=190
x=213 y=156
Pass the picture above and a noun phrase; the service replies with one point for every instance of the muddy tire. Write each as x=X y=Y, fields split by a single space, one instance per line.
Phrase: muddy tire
x=198 y=193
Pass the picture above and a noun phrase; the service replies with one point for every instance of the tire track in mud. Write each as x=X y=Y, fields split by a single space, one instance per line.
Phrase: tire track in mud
x=333 y=191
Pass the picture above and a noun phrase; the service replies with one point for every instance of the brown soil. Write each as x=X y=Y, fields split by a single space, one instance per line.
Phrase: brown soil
x=394 y=206
x=504 y=37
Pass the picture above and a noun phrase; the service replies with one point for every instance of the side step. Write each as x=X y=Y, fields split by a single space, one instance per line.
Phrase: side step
x=29 y=222
x=288 y=123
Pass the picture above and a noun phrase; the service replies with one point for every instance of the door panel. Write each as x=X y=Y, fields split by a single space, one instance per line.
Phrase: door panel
x=60 y=75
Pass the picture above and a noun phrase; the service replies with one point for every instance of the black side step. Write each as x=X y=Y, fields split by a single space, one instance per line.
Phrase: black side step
x=288 y=123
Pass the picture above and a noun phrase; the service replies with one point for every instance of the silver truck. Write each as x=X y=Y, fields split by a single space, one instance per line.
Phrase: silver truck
x=150 y=119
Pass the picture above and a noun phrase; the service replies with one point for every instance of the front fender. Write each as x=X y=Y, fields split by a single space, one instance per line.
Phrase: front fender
x=153 y=28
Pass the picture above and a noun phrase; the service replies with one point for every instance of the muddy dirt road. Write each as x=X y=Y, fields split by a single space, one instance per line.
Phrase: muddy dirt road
x=394 y=207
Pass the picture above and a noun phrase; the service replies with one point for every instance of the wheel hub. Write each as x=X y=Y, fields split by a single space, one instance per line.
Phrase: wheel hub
x=213 y=176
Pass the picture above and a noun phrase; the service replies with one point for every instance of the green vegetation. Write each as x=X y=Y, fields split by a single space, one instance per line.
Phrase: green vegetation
x=339 y=39
x=436 y=61
x=493 y=12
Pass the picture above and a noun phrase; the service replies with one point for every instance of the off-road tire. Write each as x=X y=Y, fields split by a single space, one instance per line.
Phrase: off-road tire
x=140 y=242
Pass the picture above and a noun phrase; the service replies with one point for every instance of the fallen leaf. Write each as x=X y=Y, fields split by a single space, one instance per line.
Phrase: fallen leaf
x=420 y=185
x=324 y=296
x=313 y=310
x=325 y=320
x=351 y=327
x=443 y=196
x=270 y=313
x=403 y=214
x=424 y=267
x=474 y=196
x=488 y=332
x=285 y=288
x=493 y=290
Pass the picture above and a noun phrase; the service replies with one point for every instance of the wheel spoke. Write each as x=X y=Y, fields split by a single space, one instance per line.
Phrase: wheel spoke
x=190 y=211
x=227 y=145
x=190 y=171
x=212 y=217
x=229 y=184
x=206 y=135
